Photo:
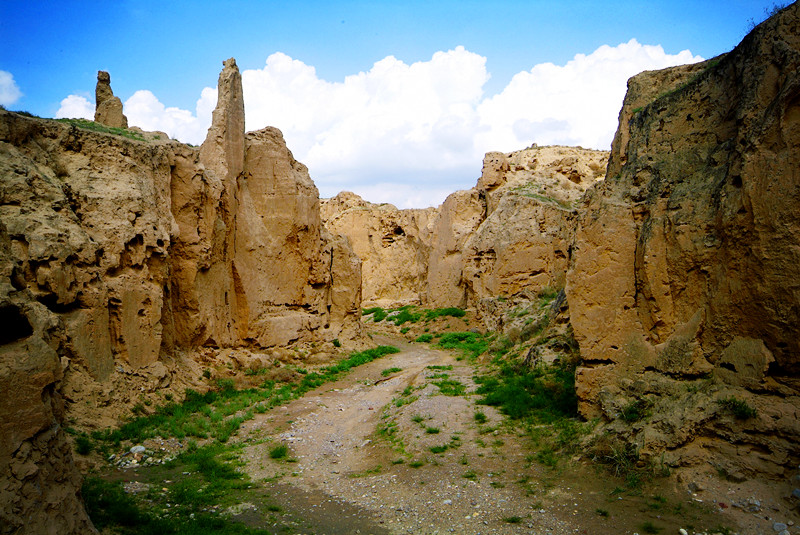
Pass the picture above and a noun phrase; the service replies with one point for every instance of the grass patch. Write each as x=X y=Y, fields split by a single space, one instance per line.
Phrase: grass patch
x=739 y=408
x=469 y=344
x=546 y=392
x=405 y=314
x=425 y=338
x=439 y=449
x=279 y=452
x=480 y=417
x=450 y=387
x=649 y=527
x=389 y=371
x=85 y=124
x=512 y=519
x=220 y=412
x=378 y=314
x=441 y=312
x=432 y=430
x=416 y=464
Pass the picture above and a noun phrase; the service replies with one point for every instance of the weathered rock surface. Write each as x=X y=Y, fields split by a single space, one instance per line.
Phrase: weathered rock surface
x=108 y=108
x=119 y=257
x=392 y=244
x=687 y=258
x=508 y=235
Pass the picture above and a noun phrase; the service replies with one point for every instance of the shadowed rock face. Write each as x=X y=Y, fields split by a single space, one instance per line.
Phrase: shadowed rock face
x=118 y=257
x=108 y=108
x=687 y=259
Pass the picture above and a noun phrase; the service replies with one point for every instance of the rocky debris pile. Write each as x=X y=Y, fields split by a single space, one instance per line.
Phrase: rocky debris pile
x=108 y=108
x=157 y=451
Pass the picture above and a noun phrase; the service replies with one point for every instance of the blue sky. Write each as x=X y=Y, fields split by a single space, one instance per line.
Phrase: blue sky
x=170 y=51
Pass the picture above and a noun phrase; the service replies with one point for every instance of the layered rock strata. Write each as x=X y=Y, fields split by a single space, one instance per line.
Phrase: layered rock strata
x=119 y=257
x=684 y=287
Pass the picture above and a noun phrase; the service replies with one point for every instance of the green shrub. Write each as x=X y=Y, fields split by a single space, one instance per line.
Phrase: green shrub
x=389 y=371
x=83 y=444
x=405 y=315
x=440 y=312
x=634 y=411
x=545 y=392
x=424 y=338
x=739 y=408
x=378 y=314
x=279 y=452
x=336 y=343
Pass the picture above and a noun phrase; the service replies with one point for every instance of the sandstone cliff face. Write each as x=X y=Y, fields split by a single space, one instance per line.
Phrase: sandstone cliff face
x=393 y=246
x=508 y=235
x=686 y=259
x=119 y=257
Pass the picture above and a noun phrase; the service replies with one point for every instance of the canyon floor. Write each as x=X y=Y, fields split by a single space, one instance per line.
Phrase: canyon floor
x=386 y=450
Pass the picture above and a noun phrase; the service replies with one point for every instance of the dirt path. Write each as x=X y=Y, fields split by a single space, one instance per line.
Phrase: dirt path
x=391 y=453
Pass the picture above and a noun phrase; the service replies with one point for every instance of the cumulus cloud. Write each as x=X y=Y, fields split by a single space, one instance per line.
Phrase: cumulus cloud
x=75 y=107
x=574 y=104
x=9 y=91
x=144 y=110
x=410 y=134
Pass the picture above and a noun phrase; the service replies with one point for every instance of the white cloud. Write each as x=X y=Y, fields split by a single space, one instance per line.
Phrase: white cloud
x=9 y=91
x=574 y=104
x=75 y=107
x=410 y=134
x=144 y=110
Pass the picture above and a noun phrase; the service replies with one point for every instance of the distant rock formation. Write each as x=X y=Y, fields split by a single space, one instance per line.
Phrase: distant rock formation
x=480 y=243
x=108 y=108
x=686 y=263
x=120 y=258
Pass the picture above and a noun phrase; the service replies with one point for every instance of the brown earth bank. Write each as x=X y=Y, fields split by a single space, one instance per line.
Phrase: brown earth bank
x=133 y=267
x=121 y=254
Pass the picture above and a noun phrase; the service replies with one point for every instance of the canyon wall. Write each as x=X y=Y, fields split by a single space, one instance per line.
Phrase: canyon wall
x=121 y=255
x=508 y=235
x=684 y=286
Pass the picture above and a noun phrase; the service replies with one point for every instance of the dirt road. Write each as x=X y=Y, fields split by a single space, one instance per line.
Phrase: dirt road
x=389 y=452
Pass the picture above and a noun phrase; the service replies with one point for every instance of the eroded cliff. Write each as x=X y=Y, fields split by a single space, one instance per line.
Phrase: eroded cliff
x=683 y=287
x=507 y=236
x=119 y=257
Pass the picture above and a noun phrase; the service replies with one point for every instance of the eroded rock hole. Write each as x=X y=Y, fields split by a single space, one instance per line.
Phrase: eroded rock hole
x=15 y=325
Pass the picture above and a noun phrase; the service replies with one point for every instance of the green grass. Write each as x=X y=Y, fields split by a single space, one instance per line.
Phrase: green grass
x=389 y=371
x=424 y=338
x=209 y=481
x=378 y=314
x=404 y=315
x=279 y=452
x=439 y=449
x=450 y=387
x=480 y=417
x=634 y=411
x=512 y=519
x=649 y=527
x=441 y=312
x=219 y=412
x=548 y=393
x=469 y=344
x=97 y=127
x=432 y=430
x=416 y=464
x=739 y=408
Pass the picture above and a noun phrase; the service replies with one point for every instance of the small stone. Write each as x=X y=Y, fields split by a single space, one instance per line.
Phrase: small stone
x=137 y=449
x=779 y=526
x=683 y=532
x=447 y=502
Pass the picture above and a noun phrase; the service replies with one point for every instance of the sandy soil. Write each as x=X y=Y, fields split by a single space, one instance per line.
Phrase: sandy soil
x=343 y=475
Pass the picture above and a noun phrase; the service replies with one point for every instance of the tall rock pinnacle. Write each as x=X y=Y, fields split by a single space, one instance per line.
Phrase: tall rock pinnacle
x=223 y=149
x=108 y=108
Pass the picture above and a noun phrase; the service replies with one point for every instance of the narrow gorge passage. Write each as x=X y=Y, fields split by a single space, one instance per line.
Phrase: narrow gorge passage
x=389 y=452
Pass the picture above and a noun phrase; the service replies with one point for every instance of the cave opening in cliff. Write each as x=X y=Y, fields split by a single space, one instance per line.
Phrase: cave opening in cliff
x=15 y=325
